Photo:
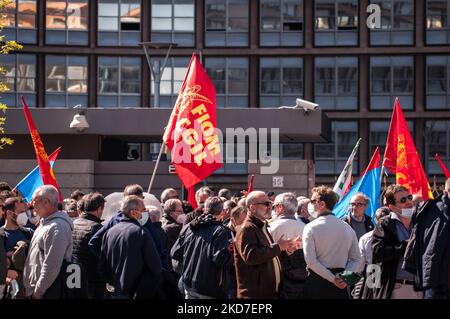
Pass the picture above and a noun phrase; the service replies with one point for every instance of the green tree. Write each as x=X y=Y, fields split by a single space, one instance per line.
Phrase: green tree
x=5 y=48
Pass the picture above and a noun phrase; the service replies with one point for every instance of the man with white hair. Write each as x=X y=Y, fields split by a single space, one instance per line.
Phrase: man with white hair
x=154 y=225
x=167 y=194
x=357 y=218
x=49 y=247
x=286 y=226
x=129 y=259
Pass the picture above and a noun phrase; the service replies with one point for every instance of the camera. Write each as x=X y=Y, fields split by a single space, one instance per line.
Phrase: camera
x=306 y=105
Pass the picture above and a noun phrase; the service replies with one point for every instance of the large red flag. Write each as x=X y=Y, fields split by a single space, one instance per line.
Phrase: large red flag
x=191 y=134
x=401 y=158
x=48 y=178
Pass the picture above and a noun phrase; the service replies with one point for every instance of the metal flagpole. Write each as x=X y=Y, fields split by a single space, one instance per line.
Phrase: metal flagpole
x=163 y=146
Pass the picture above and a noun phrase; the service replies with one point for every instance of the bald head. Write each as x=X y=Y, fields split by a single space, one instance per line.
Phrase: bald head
x=255 y=197
x=259 y=205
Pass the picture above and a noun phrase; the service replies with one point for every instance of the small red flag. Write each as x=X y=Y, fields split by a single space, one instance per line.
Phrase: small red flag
x=250 y=185
x=48 y=178
x=401 y=157
x=444 y=169
x=191 y=133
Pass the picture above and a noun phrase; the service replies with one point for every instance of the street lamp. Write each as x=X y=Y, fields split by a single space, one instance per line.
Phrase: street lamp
x=155 y=68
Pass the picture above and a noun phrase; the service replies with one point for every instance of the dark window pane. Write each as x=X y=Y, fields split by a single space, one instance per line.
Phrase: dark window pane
x=381 y=79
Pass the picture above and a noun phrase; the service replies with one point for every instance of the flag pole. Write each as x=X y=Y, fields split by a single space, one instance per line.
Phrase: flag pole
x=163 y=146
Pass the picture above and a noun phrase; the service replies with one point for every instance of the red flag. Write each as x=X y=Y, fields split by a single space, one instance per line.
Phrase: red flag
x=444 y=169
x=401 y=157
x=250 y=185
x=48 y=178
x=191 y=134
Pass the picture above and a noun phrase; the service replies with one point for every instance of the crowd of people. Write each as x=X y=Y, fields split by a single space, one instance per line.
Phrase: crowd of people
x=253 y=245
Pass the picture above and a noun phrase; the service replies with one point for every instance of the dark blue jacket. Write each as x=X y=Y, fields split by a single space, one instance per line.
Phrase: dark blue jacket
x=428 y=252
x=160 y=244
x=205 y=249
x=128 y=257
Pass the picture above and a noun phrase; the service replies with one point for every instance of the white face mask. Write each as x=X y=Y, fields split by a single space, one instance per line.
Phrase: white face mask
x=144 y=218
x=407 y=212
x=181 y=219
x=22 y=219
x=274 y=215
x=312 y=211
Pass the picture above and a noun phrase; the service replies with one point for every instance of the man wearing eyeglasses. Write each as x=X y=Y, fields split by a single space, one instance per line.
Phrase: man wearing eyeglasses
x=330 y=247
x=258 y=269
x=390 y=239
x=356 y=218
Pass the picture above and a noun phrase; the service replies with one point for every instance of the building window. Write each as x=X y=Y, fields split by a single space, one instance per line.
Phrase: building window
x=19 y=19
x=119 y=82
x=281 y=81
x=173 y=21
x=66 y=81
x=391 y=77
x=438 y=27
x=437 y=140
x=227 y=23
x=19 y=75
x=171 y=80
x=336 y=83
x=281 y=23
x=119 y=22
x=336 y=23
x=291 y=151
x=438 y=87
x=397 y=23
x=379 y=132
x=230 y=79
x=66 y=22
x=331 y=157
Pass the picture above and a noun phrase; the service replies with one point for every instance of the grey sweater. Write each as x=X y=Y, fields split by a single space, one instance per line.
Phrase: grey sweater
x=51 y=243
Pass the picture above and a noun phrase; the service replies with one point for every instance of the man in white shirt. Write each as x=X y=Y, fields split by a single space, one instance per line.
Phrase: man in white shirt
x=285 y=206
x=286 y=226
x=330 y=247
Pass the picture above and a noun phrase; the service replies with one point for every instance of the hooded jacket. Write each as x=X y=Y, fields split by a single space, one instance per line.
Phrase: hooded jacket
x=204 y=248
x=50 y=245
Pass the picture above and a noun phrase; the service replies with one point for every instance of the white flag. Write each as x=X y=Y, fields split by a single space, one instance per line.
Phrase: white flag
x=341 y=186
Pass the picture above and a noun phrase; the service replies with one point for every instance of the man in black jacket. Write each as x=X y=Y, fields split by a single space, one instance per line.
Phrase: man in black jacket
x=172 y=220
x=129 y=260
x=84 y=228
x=205 y=243
x=428 y=252
x=390 y=238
